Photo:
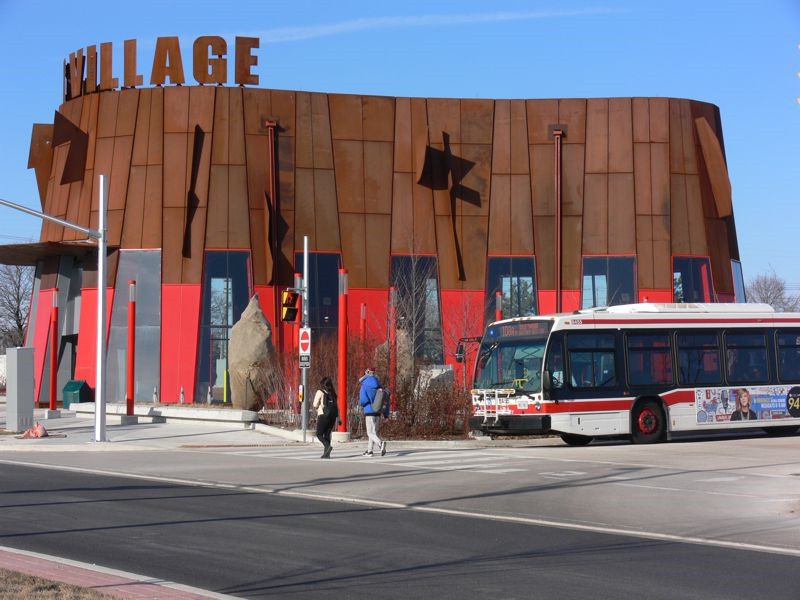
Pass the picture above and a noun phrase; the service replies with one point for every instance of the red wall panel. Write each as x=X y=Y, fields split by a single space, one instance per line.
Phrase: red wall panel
x=377 y=302
x=41 y=337
x=86 y=359
x=653 y=295
x=459 y=308
x=180 y=320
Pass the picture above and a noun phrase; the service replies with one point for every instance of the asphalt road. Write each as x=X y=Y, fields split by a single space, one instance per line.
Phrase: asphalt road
x=285 y=544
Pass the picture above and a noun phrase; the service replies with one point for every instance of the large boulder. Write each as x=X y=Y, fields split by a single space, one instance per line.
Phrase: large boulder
x=252 y=363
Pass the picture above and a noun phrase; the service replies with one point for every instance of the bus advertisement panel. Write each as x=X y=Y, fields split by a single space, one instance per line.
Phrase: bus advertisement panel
x=766 y=403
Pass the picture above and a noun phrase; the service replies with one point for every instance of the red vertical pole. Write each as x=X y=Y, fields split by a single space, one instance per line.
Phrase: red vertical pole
x=131 y=368
x=557 y=133
x=498 y=306
x=342 y=375
x=362 y=325
x=392 y=345
x=53 y=350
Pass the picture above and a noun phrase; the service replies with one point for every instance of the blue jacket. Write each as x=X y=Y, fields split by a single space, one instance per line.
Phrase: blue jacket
x=369 y=385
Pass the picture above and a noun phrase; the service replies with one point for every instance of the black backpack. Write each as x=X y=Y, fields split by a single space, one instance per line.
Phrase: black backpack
x=329 y=406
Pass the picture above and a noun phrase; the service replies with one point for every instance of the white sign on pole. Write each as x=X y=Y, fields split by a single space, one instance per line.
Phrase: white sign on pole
x=305 y=347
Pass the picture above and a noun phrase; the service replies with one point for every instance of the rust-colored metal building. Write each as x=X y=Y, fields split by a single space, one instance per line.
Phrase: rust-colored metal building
x=559 y=204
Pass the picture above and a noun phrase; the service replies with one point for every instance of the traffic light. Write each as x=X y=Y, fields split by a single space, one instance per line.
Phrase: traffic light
x=290 y=306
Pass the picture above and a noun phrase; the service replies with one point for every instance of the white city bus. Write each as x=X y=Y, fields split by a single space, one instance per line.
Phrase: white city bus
x=640 y=371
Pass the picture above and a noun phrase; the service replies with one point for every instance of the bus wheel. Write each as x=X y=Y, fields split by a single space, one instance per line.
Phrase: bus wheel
x=648 y=424
x=573 y=439
x=785 y=430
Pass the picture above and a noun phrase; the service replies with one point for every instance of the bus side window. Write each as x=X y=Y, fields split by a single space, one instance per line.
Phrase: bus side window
x=555 y=363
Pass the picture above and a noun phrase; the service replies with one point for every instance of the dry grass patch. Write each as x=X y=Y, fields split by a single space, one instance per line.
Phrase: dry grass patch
x=20 y=586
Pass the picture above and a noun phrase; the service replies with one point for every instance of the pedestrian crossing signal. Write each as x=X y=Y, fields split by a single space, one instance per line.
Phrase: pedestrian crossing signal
x=290 y=306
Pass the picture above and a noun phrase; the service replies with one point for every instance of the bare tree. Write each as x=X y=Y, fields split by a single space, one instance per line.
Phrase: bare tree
x=417 y=306
x=16 y=285
x=771 y=289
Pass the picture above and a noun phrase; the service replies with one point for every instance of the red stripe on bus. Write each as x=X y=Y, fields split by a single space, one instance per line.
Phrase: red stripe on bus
x=766 y=321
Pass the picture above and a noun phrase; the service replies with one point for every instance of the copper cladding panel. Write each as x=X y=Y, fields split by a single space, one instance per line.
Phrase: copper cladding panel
x=345 y=114
x=595 y=214
x=222 y=128
x=521 y=216
x=540 y=115
x=620 y=136
x=520 y=159
x=476 y=121
x=679 y=226
x=353 y=248
x=218 y=203
x=322 y=150
x=572 y=113
x=378 y=118
x=640 y=108
x=659 y=120
x=378 y=158
x=378 y=239
x=572 y=233
x=142 y=128
x=542 y=185
x=544 y=236
x=659 y=178
x=239 y=226
x=402 y=136
x=622 y=211
x=134 y=208
x=348 y=157
x=597 y=136
x=326 y=214
x=696 y=220
x=236 y=143
x=501 y=154
x=642 y=184
x=644 y=251
x=500 y=216
x=304 y=156
x=572 y=179
x=402 y=214
x=153 y=206
x=474 y=231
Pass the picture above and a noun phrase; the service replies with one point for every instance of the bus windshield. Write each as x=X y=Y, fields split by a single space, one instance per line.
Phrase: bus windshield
x=511 y=363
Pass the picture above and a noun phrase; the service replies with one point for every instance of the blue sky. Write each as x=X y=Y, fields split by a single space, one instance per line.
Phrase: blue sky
x=741 y=55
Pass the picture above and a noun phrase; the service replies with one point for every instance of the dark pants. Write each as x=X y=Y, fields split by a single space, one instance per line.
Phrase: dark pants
x=325 y=425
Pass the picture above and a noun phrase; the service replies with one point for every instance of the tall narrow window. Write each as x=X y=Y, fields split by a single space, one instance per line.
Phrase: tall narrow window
x=608 y=280
x=691 y=277
x=227 y=288
x=323 y=301
x=144 y=267
x=738 y=282
x=515 y=278
x=416 y=282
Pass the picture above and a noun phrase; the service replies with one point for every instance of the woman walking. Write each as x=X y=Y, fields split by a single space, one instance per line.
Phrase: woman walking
x=327 y=408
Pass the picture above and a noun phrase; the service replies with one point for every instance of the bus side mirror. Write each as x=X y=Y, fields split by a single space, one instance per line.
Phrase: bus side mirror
x=547 y=385
x=460 y=352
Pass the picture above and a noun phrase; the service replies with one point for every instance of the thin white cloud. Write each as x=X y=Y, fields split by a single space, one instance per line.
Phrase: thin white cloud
x=294 y=34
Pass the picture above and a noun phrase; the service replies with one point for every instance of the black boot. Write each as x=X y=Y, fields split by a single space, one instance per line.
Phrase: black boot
x=327 y=452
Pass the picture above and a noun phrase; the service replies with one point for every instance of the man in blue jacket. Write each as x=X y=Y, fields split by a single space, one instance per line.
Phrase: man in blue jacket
x=369 y=385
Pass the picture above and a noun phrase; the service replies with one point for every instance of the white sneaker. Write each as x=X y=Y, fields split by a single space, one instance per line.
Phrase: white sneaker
x=367 y=453
x=383 y=448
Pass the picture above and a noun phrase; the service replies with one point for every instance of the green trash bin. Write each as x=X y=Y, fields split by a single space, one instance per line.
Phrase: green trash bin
x=76 y=390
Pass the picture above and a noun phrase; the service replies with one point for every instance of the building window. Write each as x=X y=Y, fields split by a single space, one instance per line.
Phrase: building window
x=416 y=282
x=323 y=293
x=691 y=278
x=144 y=267
x=515 y=278
x=608 y=280
x=227 y=288
x=738 y=282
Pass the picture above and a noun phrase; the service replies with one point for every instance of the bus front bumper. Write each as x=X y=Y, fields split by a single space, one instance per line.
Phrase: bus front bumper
x=511 y=424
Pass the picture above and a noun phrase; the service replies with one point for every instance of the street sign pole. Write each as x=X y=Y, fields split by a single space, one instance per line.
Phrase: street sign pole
x=102 y=244
x=304 y=372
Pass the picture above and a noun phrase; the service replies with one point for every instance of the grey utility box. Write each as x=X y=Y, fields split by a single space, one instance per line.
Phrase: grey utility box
x=19 y=389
